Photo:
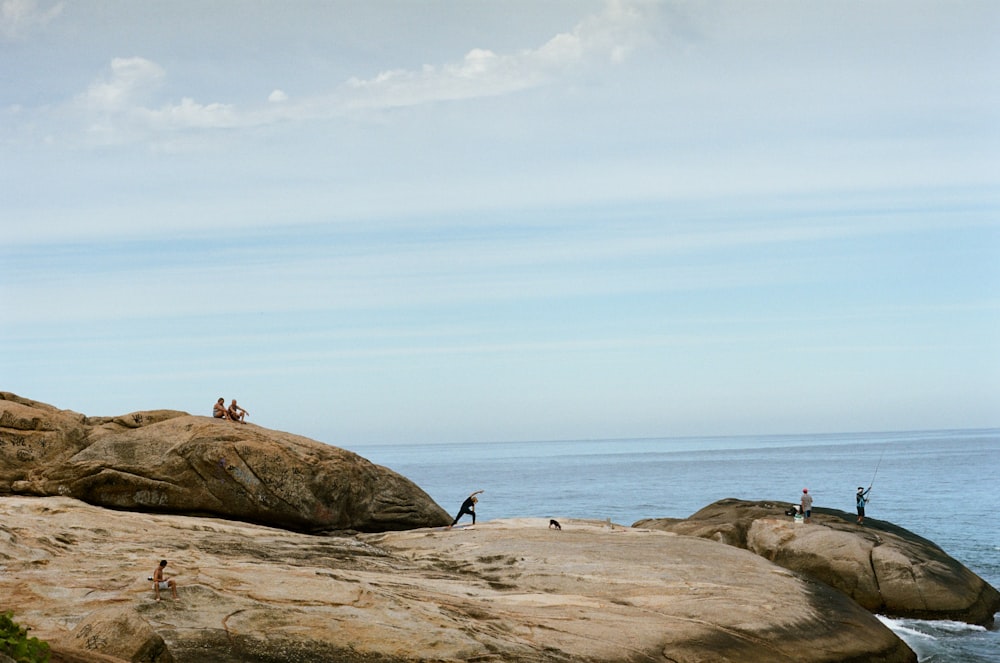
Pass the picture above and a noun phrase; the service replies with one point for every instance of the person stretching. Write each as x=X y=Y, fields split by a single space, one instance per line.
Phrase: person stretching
x=468 y=507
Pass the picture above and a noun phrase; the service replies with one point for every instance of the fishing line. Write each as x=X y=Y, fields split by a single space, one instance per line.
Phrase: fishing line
x=876 y=471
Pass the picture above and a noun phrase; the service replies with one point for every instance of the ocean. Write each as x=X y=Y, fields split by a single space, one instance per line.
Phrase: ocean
x=939 y=484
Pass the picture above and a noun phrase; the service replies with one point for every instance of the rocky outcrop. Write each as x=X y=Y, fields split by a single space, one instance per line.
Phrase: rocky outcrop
x=171 y=462
x=885 y=568
x=120 y=632
x=499 y=591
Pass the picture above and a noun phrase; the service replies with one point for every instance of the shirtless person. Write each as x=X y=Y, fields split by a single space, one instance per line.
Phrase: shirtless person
x=219 y=409
x=159 y=582
x=236 y=413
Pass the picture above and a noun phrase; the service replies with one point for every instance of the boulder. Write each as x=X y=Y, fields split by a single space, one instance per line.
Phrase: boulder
x=885 y=568
x=172 y=462
x=507 y=590
x=121 y=632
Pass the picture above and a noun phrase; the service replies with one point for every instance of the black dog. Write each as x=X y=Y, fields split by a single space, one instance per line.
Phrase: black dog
x=792 y=511
x=554 y=524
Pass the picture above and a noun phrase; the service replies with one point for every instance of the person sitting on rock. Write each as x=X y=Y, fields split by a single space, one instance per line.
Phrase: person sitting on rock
x=159 y=582
x=236 y=413
x=219 y=409
x=468 y=507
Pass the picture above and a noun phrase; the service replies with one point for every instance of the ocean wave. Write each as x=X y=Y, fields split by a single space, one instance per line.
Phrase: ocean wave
x=930 y=628
x=900 y=629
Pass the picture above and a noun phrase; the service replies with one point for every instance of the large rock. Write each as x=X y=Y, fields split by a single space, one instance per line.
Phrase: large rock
x=885 y=568
x=500 y=591
x=121 y=632
x=172 y=462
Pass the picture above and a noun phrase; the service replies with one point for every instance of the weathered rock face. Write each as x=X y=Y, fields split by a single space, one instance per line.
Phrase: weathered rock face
x=501 y=591
x=885 y=568
x=172 y=462
x=121 y=632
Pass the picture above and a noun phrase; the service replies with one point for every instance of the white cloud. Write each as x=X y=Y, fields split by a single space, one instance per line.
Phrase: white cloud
x=130 y=83
x=20 y=17
x=120 y=106
x=189 y=114
x=482 y=73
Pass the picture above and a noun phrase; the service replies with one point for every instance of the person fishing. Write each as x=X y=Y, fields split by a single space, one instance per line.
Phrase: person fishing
x=861 y=497
x=468 y=507
x=862 y=500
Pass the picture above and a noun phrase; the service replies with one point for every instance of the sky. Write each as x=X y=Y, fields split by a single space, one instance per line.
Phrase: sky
x=452 y=221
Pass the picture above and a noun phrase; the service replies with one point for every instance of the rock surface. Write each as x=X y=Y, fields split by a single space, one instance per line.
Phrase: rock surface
x=499 y=591
x=885 y=568
x=172 y=462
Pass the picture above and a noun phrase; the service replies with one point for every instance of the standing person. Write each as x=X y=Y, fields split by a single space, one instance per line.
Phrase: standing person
x=159 y=582
x=219 y=409
x=236 y=413
x=807 y=505
x=468 y=507
x=862 y=500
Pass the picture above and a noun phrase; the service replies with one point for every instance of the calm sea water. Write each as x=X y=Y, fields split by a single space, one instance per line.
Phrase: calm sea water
x=939 y=484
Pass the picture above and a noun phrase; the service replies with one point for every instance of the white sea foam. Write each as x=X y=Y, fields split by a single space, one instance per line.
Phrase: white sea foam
x=930 y=627
x=898 y=627
x=955 y=627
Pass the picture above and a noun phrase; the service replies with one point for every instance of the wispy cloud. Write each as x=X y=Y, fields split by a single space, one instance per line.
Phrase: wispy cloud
x=610 y=36
x=130 y=83
x=430 y=267
x=117 y=106
x=120 y=106
x=19 y=18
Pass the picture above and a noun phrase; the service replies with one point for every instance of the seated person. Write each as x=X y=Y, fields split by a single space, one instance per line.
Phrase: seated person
x=159 y=582
x=236 y=413
x=219 y=409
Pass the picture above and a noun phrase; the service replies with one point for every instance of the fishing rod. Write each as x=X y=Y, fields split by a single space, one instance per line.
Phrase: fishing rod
x=876 y=472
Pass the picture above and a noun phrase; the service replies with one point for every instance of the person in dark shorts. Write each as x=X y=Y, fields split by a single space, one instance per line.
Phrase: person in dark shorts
x=236 y=413
x=862 y=500
x=468 y=507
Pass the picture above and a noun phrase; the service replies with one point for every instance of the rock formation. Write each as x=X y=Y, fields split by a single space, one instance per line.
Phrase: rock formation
x=171 y=462
x=885 y=568
x=500 y=591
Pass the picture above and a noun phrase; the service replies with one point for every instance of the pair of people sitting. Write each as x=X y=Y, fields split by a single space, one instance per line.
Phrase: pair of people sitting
x=234 y=412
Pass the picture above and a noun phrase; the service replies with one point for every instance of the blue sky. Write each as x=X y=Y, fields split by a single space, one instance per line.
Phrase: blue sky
x=458 y=221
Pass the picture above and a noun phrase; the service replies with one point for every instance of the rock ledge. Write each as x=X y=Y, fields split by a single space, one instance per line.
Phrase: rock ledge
x=885 y=568
x=172 y=462
x=502 y=591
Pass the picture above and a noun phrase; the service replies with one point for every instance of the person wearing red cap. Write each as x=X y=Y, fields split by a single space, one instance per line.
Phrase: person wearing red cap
x=806 y=505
